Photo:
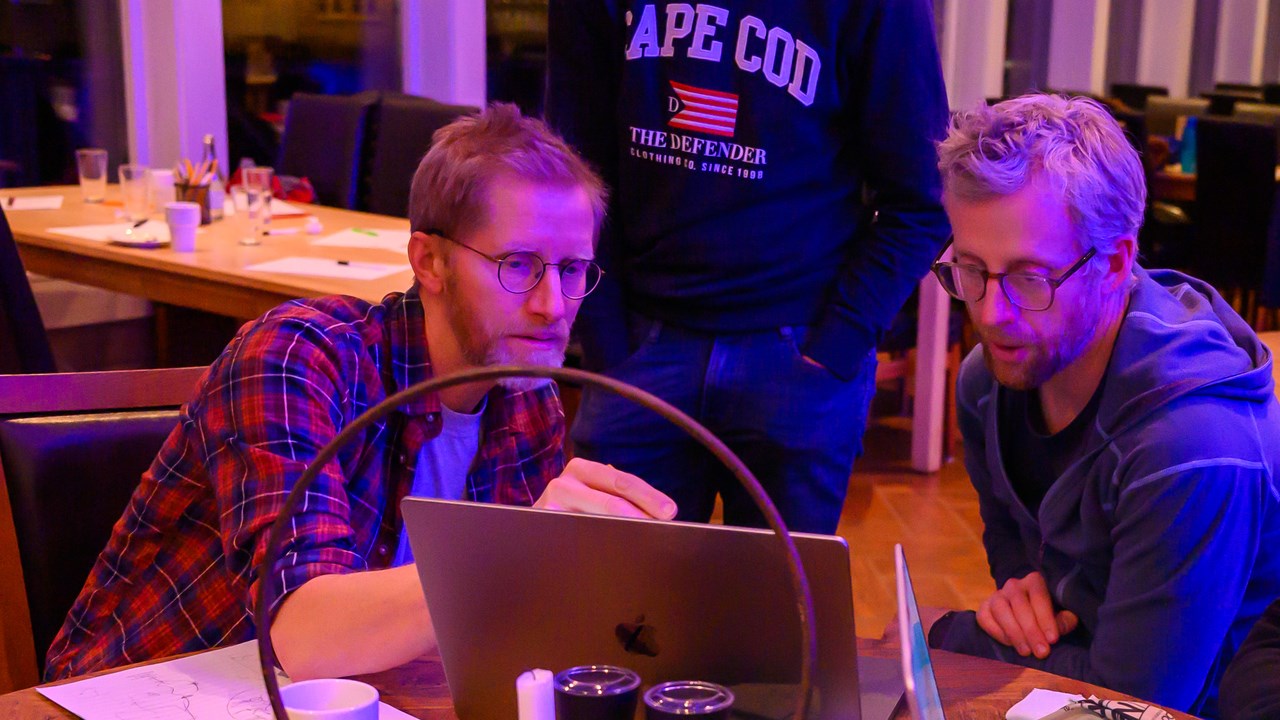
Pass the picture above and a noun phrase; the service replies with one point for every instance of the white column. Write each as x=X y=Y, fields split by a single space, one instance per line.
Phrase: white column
x=973 y=54
x=1164 y=54
x=1078 y=45
x=175 y=83
x=1242 y=26
x=973 y=50
x=443 y=50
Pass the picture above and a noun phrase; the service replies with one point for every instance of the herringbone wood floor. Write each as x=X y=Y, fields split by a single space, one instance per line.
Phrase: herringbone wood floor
x=935 y=517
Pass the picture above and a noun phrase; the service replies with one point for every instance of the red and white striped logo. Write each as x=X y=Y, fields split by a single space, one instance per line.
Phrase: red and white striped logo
x=708 y=111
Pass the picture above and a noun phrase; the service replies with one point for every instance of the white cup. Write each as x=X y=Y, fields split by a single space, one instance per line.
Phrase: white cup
x=330 y=699
x=183 y=219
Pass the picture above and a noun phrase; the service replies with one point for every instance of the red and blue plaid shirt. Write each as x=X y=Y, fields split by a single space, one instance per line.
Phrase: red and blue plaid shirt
x=178 y=573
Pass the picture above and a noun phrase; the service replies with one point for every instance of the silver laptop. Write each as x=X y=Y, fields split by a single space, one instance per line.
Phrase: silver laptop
x=917 y=665
x=518 y=588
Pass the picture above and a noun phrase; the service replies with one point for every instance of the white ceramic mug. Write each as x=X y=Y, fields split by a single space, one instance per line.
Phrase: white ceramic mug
x=183 y=219
x=330 y=699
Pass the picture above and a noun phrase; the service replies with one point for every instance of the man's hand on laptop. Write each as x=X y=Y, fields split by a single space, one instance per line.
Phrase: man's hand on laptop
x=1021 y=615
x=589 y=487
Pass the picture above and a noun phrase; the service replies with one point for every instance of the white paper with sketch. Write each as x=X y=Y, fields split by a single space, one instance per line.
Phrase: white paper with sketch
x=394 y=240
x=279 y=208
x=324 y=267
x=223 y=684
x=155 y=228
x=32 y=202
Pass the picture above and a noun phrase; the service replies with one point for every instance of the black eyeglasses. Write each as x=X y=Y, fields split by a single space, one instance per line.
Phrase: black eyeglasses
x=521 y=271
x=1028 y=291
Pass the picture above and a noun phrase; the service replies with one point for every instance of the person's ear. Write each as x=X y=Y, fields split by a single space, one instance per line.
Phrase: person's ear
x=428 y=262
x=1120 y=264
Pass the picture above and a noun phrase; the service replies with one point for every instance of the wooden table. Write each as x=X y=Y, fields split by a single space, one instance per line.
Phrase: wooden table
x=971 y=688
x=213 y=277
x=1171 y=184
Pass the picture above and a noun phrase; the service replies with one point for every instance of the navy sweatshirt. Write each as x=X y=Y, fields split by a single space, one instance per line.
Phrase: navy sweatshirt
x=772 y=163
x=1164 y=536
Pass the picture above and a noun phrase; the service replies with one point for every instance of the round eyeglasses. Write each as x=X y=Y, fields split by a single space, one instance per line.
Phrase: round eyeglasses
x=521 y=271
x=1028 y=291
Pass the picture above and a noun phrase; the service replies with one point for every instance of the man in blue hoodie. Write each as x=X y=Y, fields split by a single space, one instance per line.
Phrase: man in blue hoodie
x=1120 y=425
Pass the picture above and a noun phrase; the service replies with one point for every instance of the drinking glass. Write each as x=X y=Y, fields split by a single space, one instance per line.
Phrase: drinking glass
x=257 y=190
x=135 y=187
x=92 y=166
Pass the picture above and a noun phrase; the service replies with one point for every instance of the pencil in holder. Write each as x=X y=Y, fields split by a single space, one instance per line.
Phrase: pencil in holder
x=198 y=194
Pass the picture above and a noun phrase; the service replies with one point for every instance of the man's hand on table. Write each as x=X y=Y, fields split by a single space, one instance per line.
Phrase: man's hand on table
x=589 y=487
x=1021 y=615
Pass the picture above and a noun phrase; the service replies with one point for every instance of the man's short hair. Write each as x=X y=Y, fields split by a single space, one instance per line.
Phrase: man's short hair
x=1072 y=143
x=451 y=184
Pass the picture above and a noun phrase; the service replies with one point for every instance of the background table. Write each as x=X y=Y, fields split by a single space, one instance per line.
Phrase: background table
x=213 y=278
x=971 y=688
x=1172 y=184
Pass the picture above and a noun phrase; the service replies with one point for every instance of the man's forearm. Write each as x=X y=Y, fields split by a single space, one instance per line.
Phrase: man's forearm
x=338 y=625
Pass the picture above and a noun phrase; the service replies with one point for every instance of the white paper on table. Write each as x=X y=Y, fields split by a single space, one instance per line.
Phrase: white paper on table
x=1038 y=703
x=34 y=202
x=102 y=233
x=395 y=240
x=280 y=208
x=223 y=684
x=324 y=267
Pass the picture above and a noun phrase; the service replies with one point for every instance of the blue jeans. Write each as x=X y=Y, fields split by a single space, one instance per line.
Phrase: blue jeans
x=795 y=425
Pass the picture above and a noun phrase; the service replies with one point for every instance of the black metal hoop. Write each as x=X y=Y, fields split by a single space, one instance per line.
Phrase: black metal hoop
x=267 y=592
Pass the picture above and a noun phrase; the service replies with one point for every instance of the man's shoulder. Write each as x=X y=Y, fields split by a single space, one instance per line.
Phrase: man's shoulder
x=330 y=320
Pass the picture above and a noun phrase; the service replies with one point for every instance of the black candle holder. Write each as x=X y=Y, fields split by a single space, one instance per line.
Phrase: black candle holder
x=268 y=593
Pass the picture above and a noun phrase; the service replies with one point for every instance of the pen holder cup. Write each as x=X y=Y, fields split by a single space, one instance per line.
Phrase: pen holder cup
x=198 y=194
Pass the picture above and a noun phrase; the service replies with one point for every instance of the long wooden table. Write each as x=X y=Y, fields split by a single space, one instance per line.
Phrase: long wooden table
x=213 y=278
x=971 y=688
x=1172 y=184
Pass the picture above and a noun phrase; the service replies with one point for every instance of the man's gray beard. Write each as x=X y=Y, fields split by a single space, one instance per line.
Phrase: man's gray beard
x=1062 y=354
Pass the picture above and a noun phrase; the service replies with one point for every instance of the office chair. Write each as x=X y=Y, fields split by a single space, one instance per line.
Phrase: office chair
x=73 y=447
x=402 y=128
x=1235 y=199
x=324 y=140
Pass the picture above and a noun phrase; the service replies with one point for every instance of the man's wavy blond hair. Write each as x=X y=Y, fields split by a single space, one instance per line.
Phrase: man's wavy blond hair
x=1072 y=143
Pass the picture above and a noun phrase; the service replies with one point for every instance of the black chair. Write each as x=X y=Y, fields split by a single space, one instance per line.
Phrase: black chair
x=1163 y=112
x=1239 y=89
x=401 y=135
x=1259 y=113
x=1135 y=96
x=24 y=346
x=72 y=449
x=1134 y=125
x=324 y=140
x=1235 y=198
x=1223 y=102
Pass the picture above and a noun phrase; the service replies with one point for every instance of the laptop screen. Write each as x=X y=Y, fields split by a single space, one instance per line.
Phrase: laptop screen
x=917 y=667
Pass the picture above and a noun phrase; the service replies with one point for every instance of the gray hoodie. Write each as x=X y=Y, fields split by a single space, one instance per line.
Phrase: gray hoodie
x=1164 y=536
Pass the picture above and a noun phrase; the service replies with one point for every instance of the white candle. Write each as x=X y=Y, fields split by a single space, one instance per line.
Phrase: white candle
x=535 y=696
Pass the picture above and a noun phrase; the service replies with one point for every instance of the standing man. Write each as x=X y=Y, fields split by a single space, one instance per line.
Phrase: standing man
x=775 y=202
x=1120 y=426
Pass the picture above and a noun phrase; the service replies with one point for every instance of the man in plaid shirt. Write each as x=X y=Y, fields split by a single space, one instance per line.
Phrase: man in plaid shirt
x=504 y=218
